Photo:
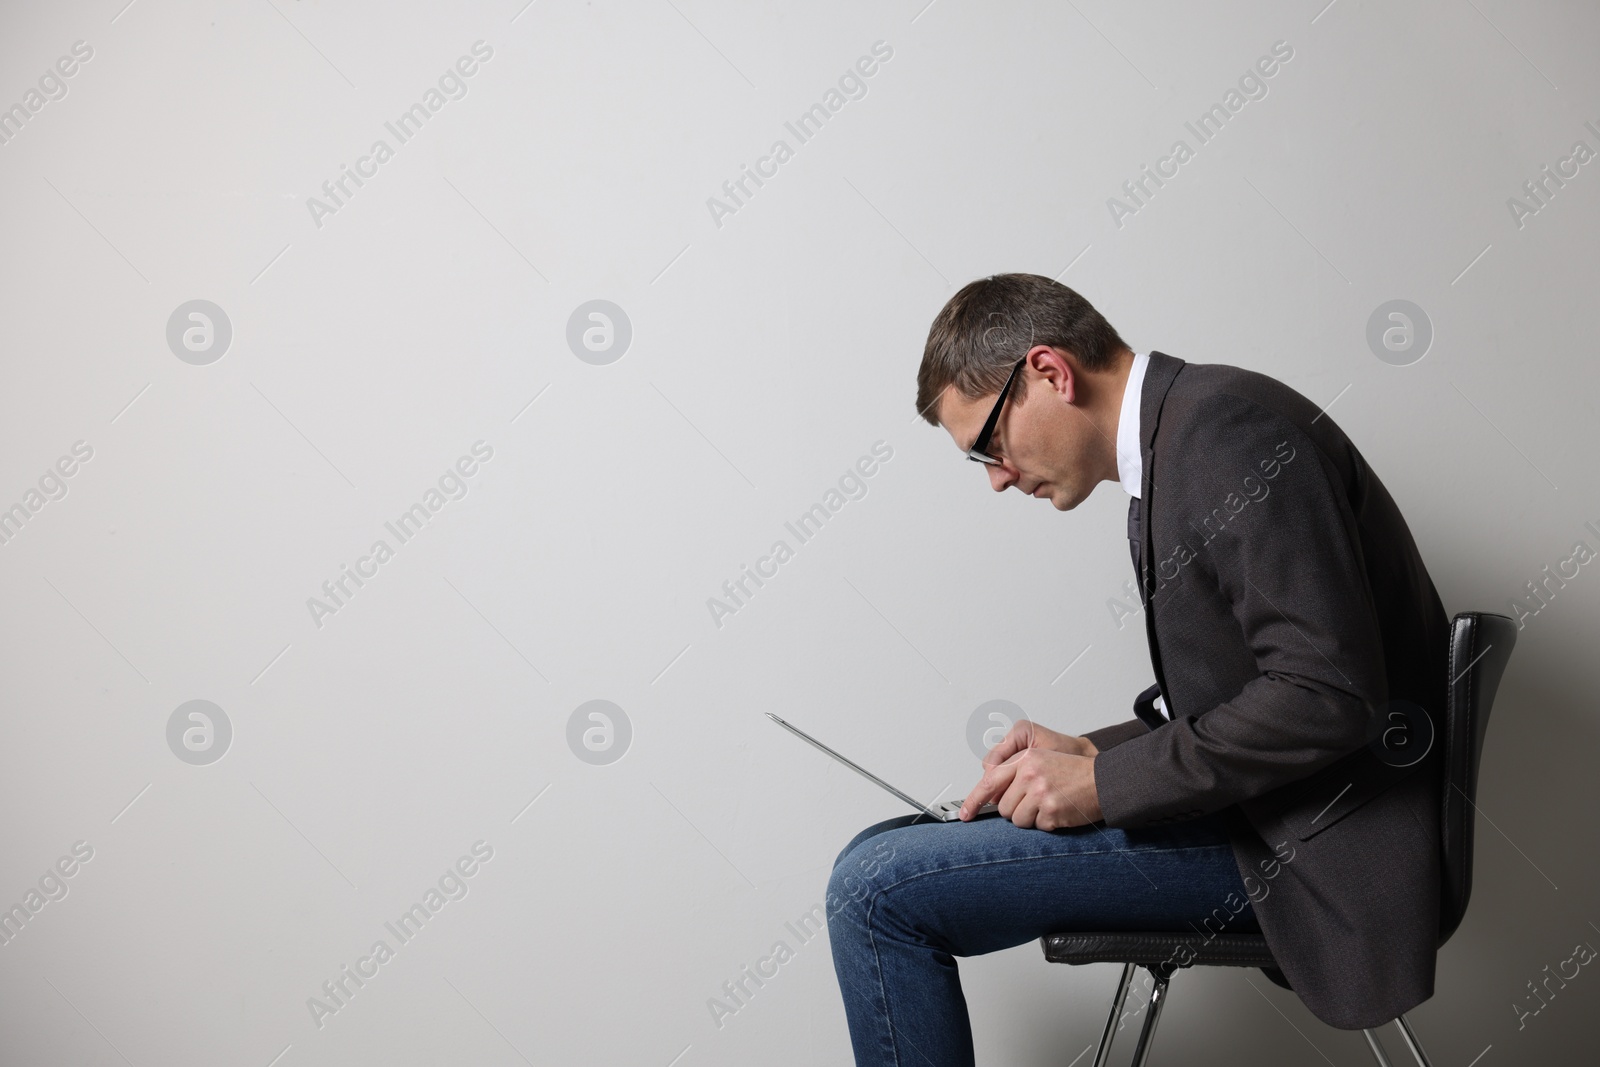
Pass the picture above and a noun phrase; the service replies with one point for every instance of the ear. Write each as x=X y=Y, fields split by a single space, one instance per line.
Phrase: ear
x=1056 y=368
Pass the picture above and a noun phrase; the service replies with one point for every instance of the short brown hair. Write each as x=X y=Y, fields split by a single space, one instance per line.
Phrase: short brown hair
x=983 y=330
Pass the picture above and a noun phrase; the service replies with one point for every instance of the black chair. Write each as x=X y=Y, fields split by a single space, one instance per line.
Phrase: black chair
x=1480 y=646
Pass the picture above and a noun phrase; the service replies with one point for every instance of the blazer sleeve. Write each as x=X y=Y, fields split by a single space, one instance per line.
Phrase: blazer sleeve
x=1292 y=570
x=1111 y=736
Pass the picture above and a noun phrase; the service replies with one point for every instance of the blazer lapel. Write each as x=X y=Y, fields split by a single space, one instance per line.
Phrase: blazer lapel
x=1158 y=377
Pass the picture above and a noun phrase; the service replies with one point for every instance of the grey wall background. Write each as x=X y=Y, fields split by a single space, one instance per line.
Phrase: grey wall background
x=373 y=346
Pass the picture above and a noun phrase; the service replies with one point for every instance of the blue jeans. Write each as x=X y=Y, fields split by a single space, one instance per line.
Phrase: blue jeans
x=908 y=895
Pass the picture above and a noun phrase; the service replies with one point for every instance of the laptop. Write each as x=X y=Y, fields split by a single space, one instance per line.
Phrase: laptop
x=944 y=811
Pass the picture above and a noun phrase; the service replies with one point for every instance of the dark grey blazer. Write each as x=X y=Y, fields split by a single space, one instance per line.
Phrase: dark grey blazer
x=1285 y=608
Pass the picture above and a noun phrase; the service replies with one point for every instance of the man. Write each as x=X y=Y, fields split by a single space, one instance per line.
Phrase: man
x=1291 y=625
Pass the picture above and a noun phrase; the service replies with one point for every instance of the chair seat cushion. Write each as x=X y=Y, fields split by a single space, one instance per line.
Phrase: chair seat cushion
x=1155 y=949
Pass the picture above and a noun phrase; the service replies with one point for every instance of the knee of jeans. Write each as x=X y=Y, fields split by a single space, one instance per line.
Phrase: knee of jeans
x=859 y=873
x=848 y=889
x=873 y=835
x=860 y=839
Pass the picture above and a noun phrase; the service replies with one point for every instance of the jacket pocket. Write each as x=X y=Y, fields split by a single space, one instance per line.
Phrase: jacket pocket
x=1312 y=805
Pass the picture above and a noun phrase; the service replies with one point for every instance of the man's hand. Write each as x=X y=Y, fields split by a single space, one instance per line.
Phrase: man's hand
x=1038 y=788
x=1027 y=734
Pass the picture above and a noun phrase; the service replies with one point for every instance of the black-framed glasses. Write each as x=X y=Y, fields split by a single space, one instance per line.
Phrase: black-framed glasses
x=979 y=452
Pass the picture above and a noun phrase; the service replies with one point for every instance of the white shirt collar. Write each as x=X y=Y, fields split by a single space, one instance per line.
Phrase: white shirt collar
x=1130 y=464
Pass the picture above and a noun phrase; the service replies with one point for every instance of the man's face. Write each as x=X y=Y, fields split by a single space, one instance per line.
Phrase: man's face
x=1047 y=447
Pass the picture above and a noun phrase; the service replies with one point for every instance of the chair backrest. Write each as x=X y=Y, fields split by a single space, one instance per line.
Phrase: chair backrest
x=1480 y=646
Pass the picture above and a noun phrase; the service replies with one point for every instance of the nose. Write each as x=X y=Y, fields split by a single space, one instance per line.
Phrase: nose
x=1003 y=476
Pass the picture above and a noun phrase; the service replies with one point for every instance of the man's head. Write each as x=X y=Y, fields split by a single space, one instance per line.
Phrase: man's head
x=1056 y=433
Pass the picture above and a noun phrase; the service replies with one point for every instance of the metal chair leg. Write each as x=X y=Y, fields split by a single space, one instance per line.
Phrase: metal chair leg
x=1377 y=1049
x=1158 y=997
x=1117 y=1002
x=1411 y=1042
